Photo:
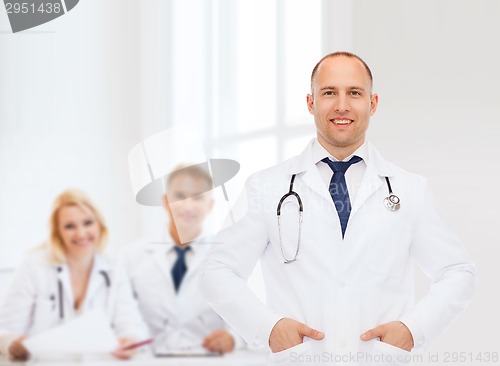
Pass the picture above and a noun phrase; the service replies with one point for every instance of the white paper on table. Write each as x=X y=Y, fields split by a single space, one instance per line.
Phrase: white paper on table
x=188 y=352
x=88 y=333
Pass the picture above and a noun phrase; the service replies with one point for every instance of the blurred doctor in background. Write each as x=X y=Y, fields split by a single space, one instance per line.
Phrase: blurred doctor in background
x=165 y=275
x=66 y=277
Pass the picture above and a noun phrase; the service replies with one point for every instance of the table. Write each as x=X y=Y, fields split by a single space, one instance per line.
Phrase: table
x=237 y=358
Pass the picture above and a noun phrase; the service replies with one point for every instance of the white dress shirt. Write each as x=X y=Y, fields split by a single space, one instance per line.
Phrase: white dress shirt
x=353 y=175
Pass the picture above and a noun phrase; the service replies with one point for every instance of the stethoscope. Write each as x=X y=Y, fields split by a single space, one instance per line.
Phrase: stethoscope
x=391 y=202
x=104 y=274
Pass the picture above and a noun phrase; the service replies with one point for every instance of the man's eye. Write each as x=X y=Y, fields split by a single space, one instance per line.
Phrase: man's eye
x=355 y=93
x=328 y=93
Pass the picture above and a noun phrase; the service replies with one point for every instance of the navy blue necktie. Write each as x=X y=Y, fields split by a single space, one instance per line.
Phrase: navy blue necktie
x=179 y=269
x=338 y=188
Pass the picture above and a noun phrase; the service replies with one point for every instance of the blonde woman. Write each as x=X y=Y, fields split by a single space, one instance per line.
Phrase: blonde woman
x=66 y=277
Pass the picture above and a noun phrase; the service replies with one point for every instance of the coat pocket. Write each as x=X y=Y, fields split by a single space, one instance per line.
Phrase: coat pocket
x=296 y=355
x=386 y=354
x=388 y=249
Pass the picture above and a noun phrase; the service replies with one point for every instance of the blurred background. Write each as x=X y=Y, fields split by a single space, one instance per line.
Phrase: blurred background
x=76 y=95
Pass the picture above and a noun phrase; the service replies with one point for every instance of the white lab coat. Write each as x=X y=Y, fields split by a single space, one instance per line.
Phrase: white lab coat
x=32 y=303
x=341 y=287
x=177 y=321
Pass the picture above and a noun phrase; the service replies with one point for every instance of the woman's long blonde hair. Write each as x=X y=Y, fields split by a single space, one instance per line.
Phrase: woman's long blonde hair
x=72 y=197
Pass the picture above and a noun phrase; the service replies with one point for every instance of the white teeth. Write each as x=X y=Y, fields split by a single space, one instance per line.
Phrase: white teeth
x=342 y=121
x=82 y=243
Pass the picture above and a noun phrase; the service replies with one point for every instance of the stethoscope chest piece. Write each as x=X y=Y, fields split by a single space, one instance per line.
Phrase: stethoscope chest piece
x=392 y=202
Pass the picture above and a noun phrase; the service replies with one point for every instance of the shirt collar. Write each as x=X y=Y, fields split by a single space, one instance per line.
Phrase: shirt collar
x=197 y=245
x=374 y=160
x=100 y=264
x=319 y=153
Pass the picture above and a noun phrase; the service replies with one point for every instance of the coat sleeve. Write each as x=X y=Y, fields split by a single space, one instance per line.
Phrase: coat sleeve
x=230 y=262
x=127 y=319
x=239 y=343
x=442 y=257
x=18 y=305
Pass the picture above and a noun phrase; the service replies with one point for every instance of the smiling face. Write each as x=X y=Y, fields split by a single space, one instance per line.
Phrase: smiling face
x=78 y=229
x=342 y=104
x=188 y=202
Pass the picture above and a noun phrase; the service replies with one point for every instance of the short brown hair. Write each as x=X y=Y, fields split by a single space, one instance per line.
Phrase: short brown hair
x=72 y=197
x=198 y=171
x=345 y=54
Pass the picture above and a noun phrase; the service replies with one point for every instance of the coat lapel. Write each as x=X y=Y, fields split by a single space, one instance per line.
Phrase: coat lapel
x=312 y=179
x=308 y=173
x=370 y=184
x=376 y=170
x=67 y=291
x=97 y=279
x=189 y=295
x=200 y=254
x=161 y=263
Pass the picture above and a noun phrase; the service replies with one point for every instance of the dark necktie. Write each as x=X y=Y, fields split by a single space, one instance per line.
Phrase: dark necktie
x=179 y=269
x=338 y=188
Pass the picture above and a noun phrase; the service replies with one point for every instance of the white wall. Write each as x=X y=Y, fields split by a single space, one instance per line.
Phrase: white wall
x=63 y=124
x=436 y=69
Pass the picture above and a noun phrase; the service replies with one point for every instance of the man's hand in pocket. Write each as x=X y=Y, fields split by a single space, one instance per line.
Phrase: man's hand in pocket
x=288 y=333
x=394 y=333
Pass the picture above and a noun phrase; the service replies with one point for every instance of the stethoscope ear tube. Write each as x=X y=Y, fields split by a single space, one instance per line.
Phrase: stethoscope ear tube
x=278 y=213
x=60 y=289
x=104 y=274
x=288 y=194
x=107 y=281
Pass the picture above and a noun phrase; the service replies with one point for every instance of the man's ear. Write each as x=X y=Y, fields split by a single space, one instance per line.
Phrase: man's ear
x=373 y=104
x=166 y=204
x=310 y=103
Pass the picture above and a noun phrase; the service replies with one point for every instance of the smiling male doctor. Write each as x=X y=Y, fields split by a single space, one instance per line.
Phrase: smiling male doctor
x=165 y=277
x=350 y=290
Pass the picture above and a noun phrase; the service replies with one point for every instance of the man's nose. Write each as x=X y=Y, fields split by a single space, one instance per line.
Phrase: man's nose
x=190 y=204
x=342 y=104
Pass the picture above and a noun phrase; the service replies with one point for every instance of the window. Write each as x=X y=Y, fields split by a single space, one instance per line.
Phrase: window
x=238 y=69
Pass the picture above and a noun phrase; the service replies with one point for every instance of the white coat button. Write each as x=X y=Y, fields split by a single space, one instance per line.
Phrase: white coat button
x=342 y=284
x=344 y=343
